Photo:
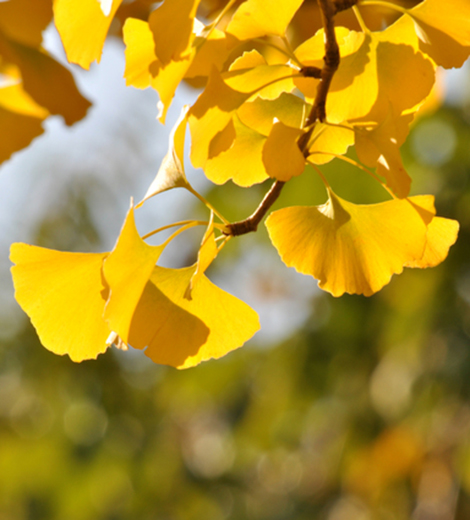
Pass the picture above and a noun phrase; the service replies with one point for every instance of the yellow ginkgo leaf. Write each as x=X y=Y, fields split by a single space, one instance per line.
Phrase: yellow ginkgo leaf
x=127 y=270
x=139 y=54
x=20 y=119
x=282 y=157
x=356 y=78
x=379 y=147
x=328 y=141
x=46 y=81
x=210 y=115
x=443 y=28
x=442 y=234
x=256 y=18
x=25 y=20
x=213 y=51
x=206 y=255
x=266 y=81
x=171 y=172
x=405 y=76
x=260 y=114
x=181 y=332
x=17 y=131
x=352 y=248
x=83 y=27
x=64 y=296
x=172 y=27
x=242 y=161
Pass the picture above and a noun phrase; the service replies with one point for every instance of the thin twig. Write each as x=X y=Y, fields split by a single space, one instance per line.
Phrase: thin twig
x=251 y=223
x=328 y=9
x=331 y=62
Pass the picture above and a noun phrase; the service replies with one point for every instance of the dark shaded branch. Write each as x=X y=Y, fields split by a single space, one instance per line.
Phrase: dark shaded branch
x=331 y=59
x=251 y=223
x=342 y=5
x=331 y=62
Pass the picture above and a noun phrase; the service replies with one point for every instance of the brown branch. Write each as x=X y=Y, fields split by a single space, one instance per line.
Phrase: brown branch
x=251 y=223
x=330 y=60
x=328 y=9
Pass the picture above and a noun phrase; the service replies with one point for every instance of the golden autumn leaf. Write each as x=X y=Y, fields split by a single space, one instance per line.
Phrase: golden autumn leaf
x=327 y=141
x=210 y=115
x=63 y=294
x=24 y=20
x=242 y=161
x=83 y=27
x=443 y=30
x=20 y=118
x=256 y=18
x=206 y=255
x=260 y=114
x=356 y=248
x=375 y=71
x=139 y=53
x=282 y=157
x=45 y=80
x=126 y=271
x=172 y=27
x=209 y=325
x=379 y=147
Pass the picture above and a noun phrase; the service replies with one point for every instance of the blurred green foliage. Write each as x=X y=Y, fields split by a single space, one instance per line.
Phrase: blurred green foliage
x=362 y=414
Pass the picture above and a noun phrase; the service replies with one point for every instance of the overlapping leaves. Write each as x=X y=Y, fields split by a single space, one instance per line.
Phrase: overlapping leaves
x=256 y=118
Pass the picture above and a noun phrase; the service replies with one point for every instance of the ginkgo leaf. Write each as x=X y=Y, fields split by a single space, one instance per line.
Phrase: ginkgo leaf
x=248 y=60
x=327 y=141
x=266 y=81
x=356 y=77
x=17 y=131
x=441 y=235
x=210 y=115
x=379 y=147
x=172 y=27
x=83 y=27
x=20 y=119
x=242 y=161
x=144 y=70
x=127 y=270
x=139 y=53
x=166 y=80
x=171 y=172
x=282 y=157
x=260 y=114
x=48 y=83
x=25 y=20
x=213 y=51
x=375 y=71
x=181 y=332
x=63 y=294
x=352 y=248
x=256 y=18
x=443 y=28
x=405 y=77
x=206 y=255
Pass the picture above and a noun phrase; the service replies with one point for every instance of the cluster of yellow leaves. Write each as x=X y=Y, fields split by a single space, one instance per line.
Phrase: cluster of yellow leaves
x=32 y=84
x=96 y=298
x=251 y=123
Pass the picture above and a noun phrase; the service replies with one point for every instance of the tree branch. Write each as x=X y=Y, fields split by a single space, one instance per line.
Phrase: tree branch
x=331 y=62
x=251 y=223
x=331 y=59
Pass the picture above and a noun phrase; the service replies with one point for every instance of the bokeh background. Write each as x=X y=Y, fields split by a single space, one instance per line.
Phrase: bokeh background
x=339 y=409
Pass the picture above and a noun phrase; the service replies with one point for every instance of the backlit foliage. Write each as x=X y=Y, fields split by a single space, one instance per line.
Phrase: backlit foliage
x=278 y=101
